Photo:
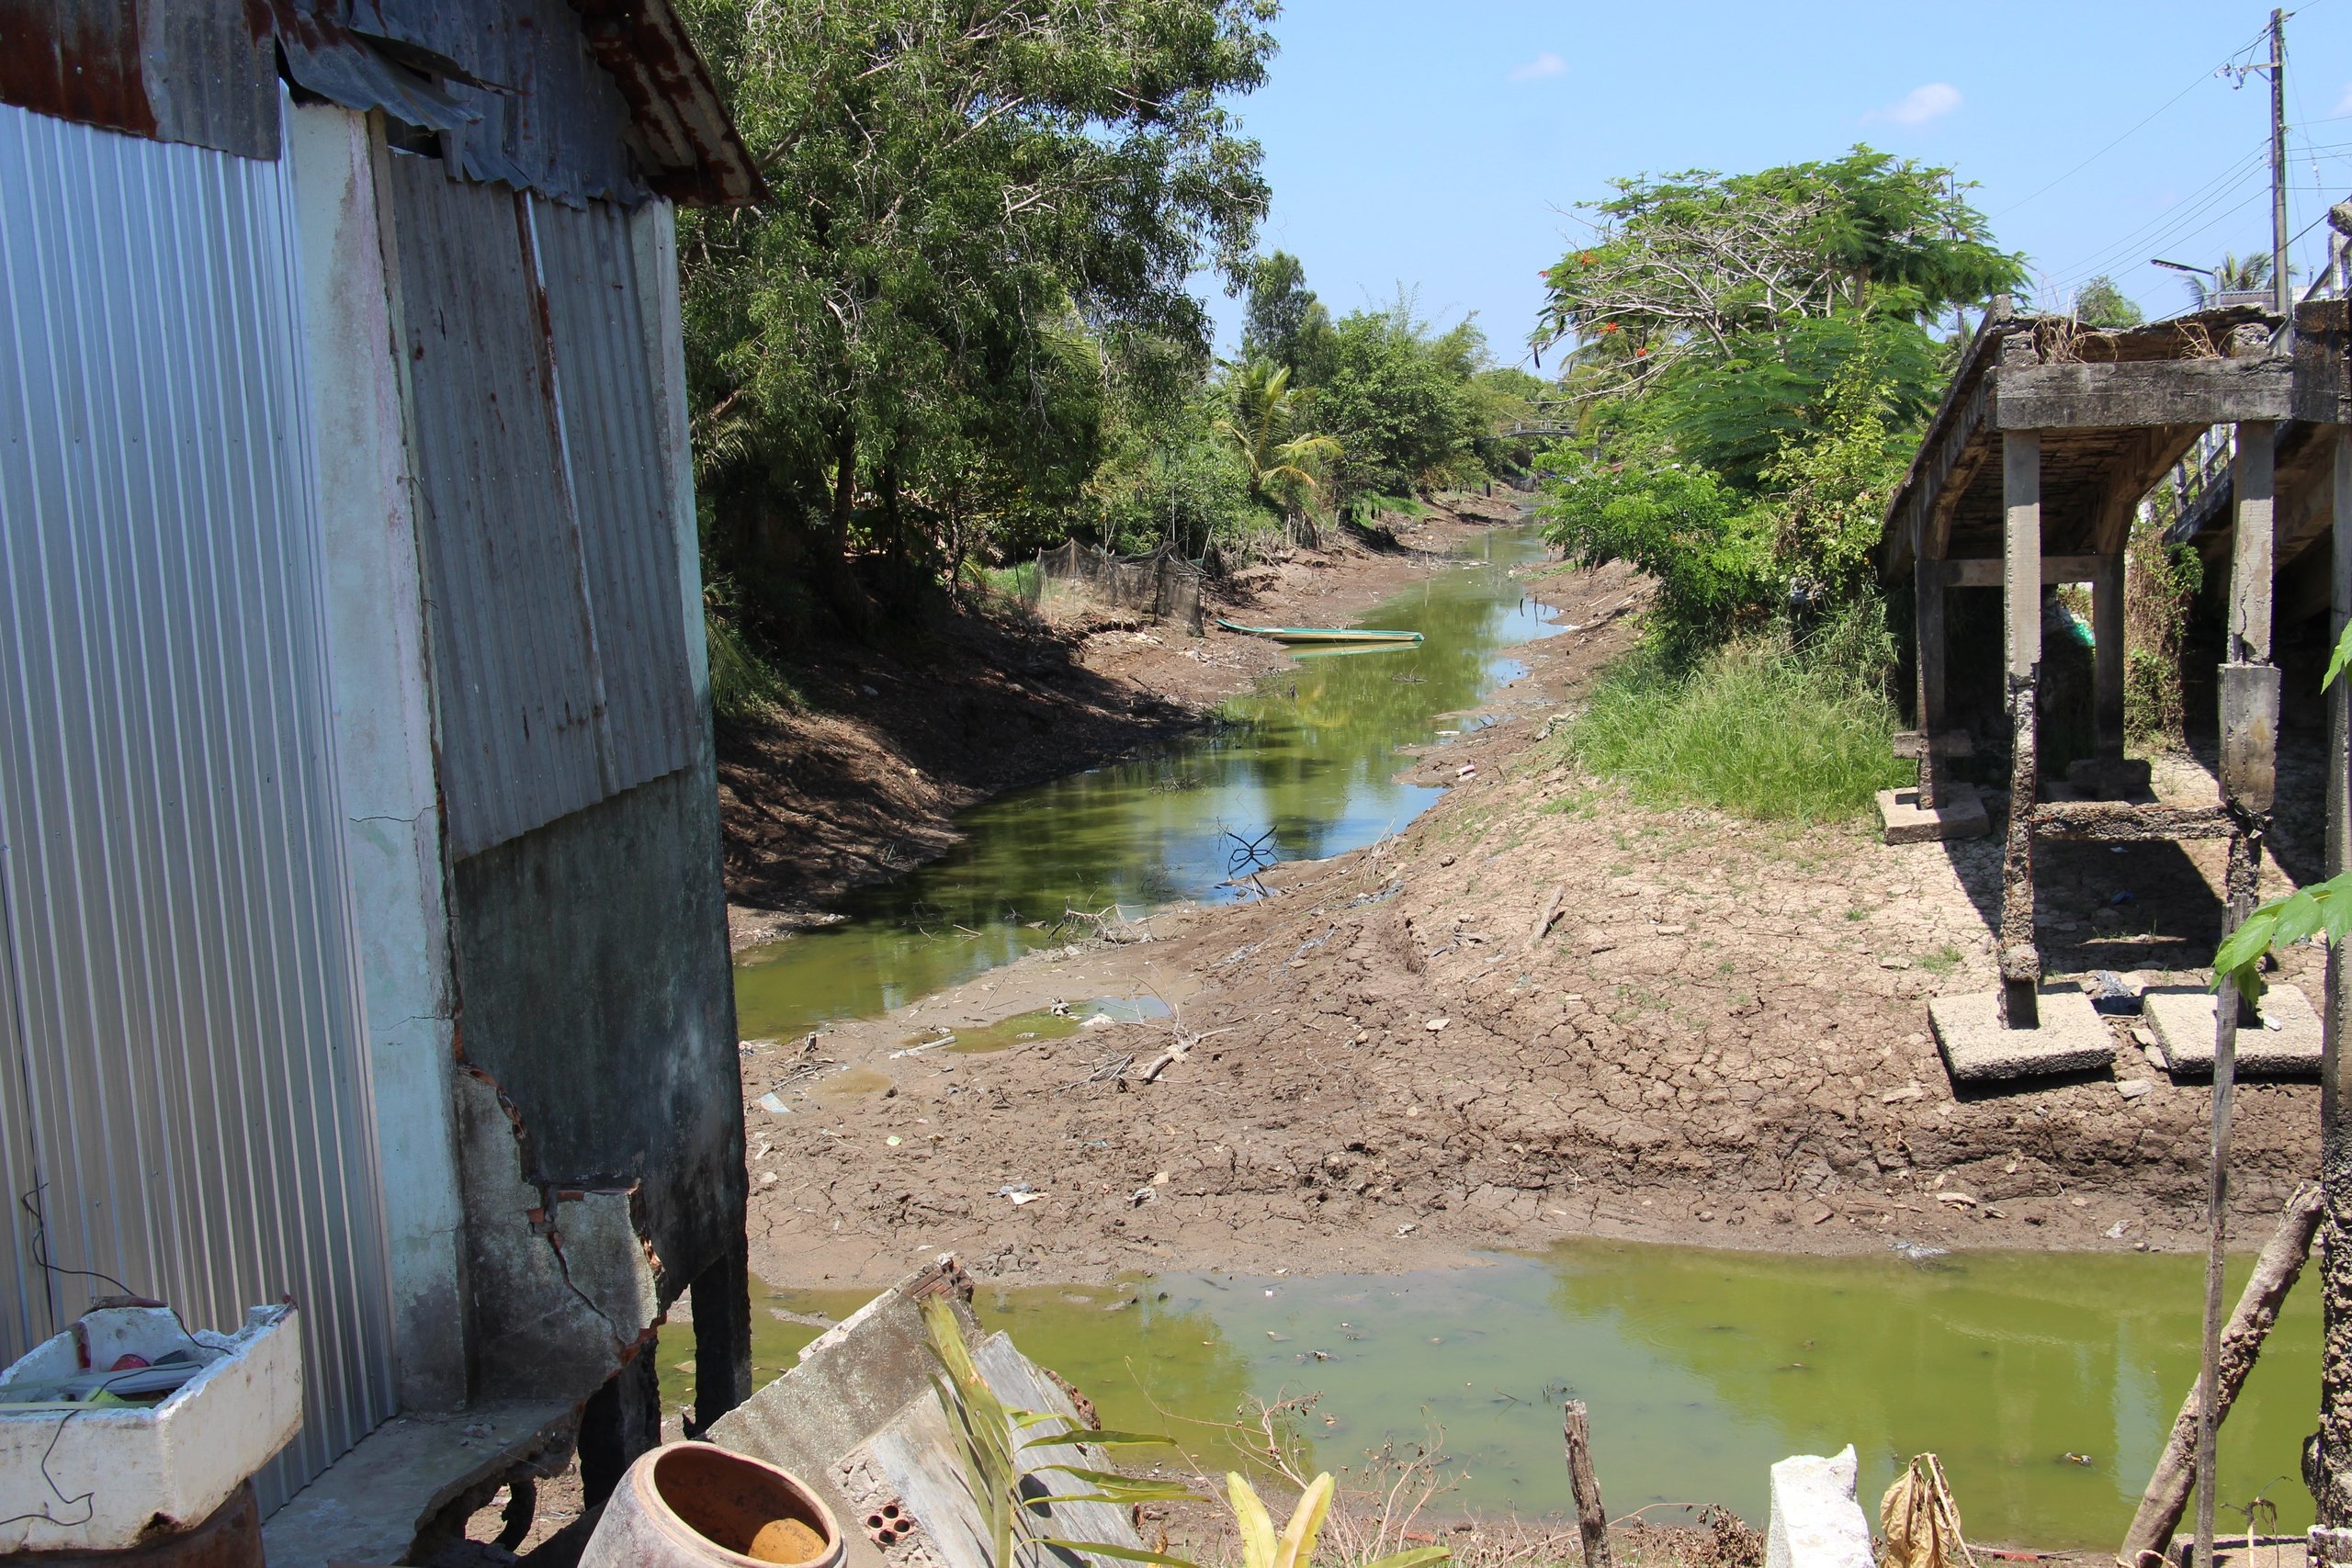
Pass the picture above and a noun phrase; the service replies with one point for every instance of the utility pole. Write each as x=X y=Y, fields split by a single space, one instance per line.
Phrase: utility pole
x=2282 y=291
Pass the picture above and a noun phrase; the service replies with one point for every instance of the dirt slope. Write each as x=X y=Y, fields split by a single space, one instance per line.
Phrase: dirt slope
x=1722 y=1037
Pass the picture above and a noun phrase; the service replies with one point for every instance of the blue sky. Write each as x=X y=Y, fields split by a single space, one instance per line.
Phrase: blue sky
x=1444 y=147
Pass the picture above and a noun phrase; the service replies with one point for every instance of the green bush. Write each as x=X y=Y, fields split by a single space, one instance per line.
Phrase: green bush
x=743 y=685
x=1756 y=728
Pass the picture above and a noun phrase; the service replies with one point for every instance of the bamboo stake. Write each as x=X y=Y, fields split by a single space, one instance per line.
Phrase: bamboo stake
x=1592 y=1519
x=2275 y=1272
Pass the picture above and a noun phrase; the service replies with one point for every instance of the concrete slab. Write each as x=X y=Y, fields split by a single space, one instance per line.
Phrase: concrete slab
x=2182 y=1019
x=1903 y=822
x=370 y=1505
x=2073 y=1038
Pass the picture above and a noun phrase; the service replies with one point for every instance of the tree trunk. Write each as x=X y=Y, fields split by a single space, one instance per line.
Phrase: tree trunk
x=2275 y=1271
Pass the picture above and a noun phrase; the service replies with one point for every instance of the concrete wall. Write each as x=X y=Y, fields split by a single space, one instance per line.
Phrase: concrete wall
x=383 y=718
x=592 y=957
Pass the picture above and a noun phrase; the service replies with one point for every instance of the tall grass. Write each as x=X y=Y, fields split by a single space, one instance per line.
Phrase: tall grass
x=1761 y=726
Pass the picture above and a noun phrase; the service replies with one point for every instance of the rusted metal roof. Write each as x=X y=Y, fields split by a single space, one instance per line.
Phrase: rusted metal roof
x=601 y=99
x=168 y=70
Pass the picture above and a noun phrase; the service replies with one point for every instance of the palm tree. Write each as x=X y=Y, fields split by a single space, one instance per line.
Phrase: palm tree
x=1264 y=429
x=2236 y=275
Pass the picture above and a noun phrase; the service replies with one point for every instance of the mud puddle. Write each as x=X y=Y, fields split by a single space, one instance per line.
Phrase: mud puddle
x=2046 y=1383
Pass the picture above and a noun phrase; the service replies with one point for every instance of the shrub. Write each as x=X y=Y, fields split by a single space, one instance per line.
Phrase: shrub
x=1758 y=727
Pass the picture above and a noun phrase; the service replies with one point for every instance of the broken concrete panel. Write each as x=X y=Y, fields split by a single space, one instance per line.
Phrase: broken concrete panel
x=2286 y=1044
x=913 y=1463
x=850 y=1383
x=1817 y=1523
x=1902 y=820
x=859 y=1420
x=2070 y=1038
x=562 y=1288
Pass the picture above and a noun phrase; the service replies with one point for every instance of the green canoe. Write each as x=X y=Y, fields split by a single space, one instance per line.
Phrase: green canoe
x=1322 y=637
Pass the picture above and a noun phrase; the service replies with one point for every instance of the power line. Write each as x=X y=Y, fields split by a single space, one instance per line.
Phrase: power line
x=2201 y=79
x=2164 y=225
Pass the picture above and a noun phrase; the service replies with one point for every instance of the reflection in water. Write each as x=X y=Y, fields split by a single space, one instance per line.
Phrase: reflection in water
x=1303 y=764
x=1701 y=1368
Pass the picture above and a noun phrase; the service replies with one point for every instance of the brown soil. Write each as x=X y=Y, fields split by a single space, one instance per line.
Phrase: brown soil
x=1723 y=1037
x=863 y=780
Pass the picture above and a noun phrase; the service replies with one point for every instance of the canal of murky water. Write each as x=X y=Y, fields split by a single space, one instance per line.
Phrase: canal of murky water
x=2047 y=1383
x=1301 y=769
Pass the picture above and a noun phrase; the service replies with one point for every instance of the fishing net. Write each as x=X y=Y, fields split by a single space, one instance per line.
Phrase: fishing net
x=1162 y=584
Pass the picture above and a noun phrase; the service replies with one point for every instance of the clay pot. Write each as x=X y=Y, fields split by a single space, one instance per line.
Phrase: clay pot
x=693 y=1504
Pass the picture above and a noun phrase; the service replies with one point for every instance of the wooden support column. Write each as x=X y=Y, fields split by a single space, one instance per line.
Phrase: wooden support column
x=2021 y=962
x=2249 y=779
x=1928 y=602
x=2107 y=674
x=2330 y=1478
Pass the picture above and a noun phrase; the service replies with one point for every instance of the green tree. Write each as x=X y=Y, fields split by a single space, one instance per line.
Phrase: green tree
x=1400 y=402
x=1285 y=322
x=983 y=216
x=2099 y=303
x=1689 y=262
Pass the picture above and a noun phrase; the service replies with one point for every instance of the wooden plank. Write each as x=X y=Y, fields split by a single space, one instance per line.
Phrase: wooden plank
x=1989 y=571
x=2113 y=397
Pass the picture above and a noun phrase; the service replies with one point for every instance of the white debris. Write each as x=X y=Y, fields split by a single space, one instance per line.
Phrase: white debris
x=1817 y=1523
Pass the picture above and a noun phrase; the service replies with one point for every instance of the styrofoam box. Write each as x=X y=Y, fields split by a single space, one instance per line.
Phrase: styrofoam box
x=101 y=1478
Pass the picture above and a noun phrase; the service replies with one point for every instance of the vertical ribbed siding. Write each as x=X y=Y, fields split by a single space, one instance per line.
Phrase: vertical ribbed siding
x=560 y=655
x=513 y=652
x=613 y=440
x=188 y=1079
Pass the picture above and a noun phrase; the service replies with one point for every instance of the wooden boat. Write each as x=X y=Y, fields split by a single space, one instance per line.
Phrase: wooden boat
x=1322 y=637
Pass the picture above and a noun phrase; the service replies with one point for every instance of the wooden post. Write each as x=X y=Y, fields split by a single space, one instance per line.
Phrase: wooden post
x=2106 y=673
x=722 y=1307
x=1928 y=581
x=2330 y=1481
x=2249 y=777
x=2020 y=961
x=1592 y=1519
x=2273 y=1274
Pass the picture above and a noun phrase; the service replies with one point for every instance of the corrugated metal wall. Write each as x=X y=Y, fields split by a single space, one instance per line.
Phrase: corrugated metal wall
x=186 y=1075
x=550 y=558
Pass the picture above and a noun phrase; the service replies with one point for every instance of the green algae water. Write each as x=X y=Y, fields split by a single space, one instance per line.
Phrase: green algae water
x=1301 y=767
x=2047 y=1381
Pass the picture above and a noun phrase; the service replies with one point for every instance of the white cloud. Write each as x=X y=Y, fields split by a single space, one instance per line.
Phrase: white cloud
x=2343 y=104
x=1545 y=65
x=1920 y=105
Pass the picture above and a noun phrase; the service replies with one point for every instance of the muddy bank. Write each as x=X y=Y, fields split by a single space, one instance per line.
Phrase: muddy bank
x=1721 y=1037
x=863 y=781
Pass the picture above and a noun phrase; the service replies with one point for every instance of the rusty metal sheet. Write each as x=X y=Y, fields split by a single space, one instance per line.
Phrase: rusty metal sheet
x=515 y=660
x=612 y=441
x=191 y=71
